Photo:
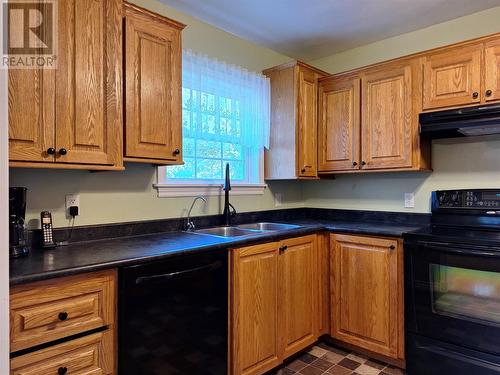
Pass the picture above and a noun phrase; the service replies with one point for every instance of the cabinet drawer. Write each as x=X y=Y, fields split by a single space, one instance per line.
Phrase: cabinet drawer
x=89 y=355
x=50 y=310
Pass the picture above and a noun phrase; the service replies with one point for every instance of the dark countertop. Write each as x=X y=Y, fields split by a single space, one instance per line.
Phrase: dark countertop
x=125 y=251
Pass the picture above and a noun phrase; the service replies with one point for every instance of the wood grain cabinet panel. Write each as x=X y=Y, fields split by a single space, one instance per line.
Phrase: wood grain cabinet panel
x=89 y=355
x=88 y=105
x=274 y=303
x=76 y=109
x=366 y=280
x=388 y=117
x=492 y=71
x=339 y=124
x=49 y=310
x=255 y=346
x=153 y=58
x=307 y=127
x=292 y=152
x=31 y=127
x=298 y=297
x=453 y=77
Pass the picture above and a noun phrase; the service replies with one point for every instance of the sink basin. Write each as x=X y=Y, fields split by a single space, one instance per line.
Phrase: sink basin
x=264 y=227
x=225 y=231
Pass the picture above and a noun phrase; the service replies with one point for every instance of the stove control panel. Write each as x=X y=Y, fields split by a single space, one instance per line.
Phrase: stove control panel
x=479 y=199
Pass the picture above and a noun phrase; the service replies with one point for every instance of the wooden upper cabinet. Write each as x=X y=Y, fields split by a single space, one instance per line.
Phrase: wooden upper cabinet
x=492 y=71
x=298 y=297
x=292 y=150
x=307 y=162
x=388 y=117
x=153 y=59
x=339 y=124
x=366 y=285
x=71 y=117
x=88 y=105
x=453 y=78
x=255 y=346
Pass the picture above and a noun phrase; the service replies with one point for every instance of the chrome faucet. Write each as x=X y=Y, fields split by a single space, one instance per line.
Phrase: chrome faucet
x=190 y=225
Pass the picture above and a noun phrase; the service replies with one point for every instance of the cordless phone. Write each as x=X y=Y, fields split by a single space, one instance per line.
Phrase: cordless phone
x=47 y=238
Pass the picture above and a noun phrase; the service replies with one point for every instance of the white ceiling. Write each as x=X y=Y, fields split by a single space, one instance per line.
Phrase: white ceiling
x=316 y=28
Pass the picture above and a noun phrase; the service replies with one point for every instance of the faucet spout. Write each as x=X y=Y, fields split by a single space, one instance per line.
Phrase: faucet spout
x=190 y=225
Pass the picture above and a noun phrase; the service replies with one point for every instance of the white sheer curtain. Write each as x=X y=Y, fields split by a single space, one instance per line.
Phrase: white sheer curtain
x=240 y=100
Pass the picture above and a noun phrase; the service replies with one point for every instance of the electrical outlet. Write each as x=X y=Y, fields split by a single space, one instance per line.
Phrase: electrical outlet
x=72 y=200
x=278 y=199
x=409 y=200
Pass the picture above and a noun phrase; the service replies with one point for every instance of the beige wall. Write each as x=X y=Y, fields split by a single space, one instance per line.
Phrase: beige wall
x=107 y=197
x=469 y=163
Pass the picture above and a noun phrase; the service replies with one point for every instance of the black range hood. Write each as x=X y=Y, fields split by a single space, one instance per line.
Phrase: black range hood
x=461 y=122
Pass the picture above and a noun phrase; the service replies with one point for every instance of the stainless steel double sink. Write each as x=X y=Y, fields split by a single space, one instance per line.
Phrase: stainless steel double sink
x=246 y=229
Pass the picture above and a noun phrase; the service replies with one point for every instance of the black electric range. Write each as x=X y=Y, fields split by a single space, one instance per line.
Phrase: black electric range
x=452 y=286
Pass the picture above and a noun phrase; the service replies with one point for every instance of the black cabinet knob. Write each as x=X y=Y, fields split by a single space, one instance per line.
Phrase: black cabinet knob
x=475 y=95
x=63 y=151
x=63 y=316
x=354 y=163
x=62 y=371
x=303 y=170
x=177 y=151
x=392 y=247
x=363 y=162
x=489 y=92
x=51 y=151
x=283 y=248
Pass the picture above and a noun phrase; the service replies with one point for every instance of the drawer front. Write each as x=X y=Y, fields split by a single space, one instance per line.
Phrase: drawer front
x=90 y=355
x=54 y=309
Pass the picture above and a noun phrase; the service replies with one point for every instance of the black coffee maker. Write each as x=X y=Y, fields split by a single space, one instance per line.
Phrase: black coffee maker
x=17 y=212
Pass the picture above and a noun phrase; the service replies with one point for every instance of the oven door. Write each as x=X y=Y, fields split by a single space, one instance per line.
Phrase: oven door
x=453 y=294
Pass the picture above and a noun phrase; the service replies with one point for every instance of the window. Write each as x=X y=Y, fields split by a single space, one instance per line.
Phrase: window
x=225 y=120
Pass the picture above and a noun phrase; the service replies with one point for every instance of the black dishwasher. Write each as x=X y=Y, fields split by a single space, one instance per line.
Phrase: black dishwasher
x=173 y=316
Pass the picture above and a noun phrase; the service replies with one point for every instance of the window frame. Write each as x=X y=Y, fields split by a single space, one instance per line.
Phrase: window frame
x=190 y=188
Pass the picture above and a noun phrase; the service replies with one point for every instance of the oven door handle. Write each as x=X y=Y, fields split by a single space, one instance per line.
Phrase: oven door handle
x=462 y=251
x=174 y=275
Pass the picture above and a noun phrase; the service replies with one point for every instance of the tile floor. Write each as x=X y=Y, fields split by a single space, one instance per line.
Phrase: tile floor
x=324 y=359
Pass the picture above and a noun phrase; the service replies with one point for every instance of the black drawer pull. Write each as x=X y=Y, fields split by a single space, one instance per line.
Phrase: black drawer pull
x=62 y=371
x=51 y=151
x=63 y=151
x=392 y=247
x=283 y=248
x=63 y=316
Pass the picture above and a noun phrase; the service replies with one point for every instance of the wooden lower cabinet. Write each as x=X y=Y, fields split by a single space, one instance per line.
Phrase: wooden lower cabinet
x=367 y=293
x=51 y=313
x=273 y=303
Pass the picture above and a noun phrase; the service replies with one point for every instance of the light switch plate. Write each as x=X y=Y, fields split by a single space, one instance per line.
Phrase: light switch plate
x=409 y=200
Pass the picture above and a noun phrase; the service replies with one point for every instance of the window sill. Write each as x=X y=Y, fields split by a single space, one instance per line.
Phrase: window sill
x=192 y=190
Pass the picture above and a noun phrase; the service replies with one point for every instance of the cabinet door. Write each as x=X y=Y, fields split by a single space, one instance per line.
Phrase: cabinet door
x=254 y=309
x=153 y=88
x=31 y=99
x=388 y=119
x=366 y=291
x=31 y=114
x=307 y=163
x=298 y=294
x=339 y=126
x=492 y=71
x=88 y=104
x=453 y=78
